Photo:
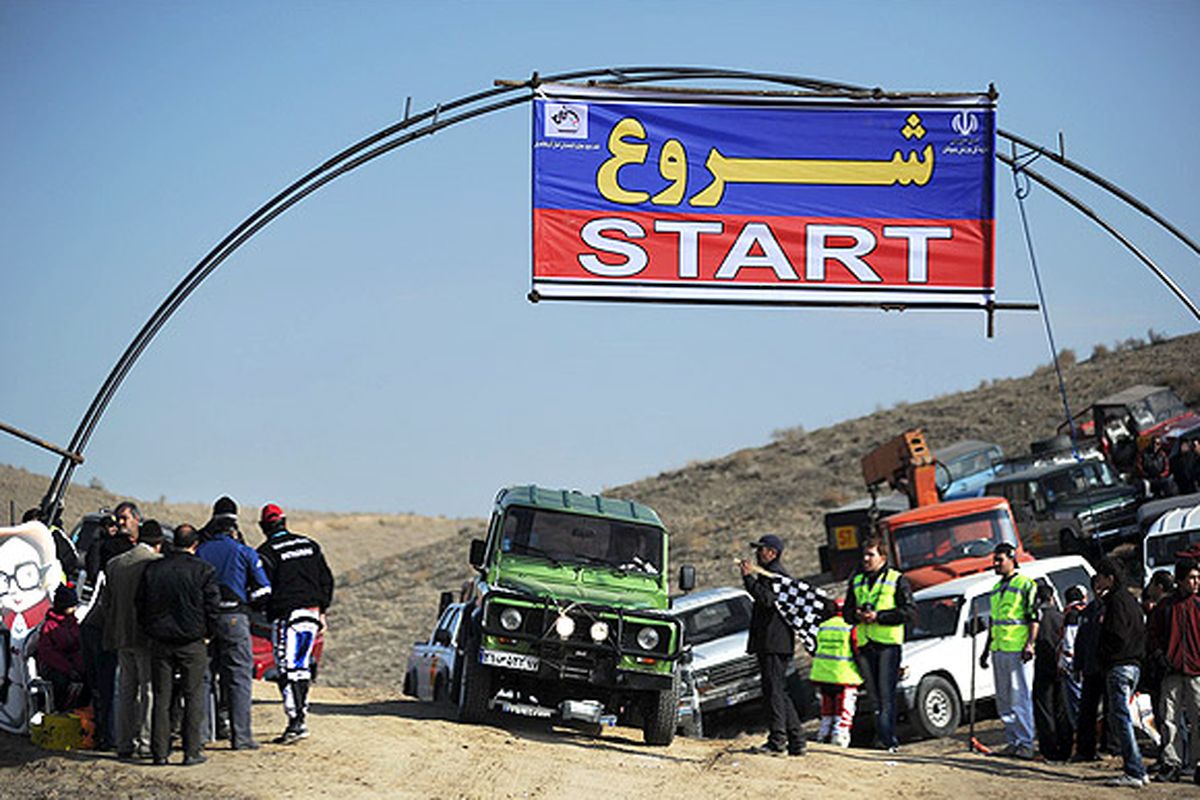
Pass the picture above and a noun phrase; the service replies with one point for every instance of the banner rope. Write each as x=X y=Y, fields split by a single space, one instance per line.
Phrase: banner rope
x=1021 y=189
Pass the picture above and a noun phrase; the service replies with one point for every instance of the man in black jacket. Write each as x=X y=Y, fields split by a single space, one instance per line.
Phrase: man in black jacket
x=773 y=641
x=1122 y=646
x=178 y=601
x=302 y=589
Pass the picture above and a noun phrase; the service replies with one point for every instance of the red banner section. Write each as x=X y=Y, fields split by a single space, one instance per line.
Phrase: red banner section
x=633 y=255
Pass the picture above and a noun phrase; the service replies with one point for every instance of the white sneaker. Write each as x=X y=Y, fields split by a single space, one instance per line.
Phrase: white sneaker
x=1126 y=781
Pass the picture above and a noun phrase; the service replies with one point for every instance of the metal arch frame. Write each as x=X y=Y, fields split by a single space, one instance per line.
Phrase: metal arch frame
x=472 y=106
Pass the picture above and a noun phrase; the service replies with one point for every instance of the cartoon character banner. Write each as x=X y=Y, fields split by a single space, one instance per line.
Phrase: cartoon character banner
x=29 y=573
x=738 y=199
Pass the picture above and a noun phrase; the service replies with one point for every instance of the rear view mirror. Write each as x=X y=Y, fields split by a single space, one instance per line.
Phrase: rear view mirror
x=442 y=637
x=975 y=625
x=445 y=599
x=478 y=552
x=687 y=578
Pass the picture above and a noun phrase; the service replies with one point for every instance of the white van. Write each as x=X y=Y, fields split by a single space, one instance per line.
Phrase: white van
x=940 y=657
x=1174 y=531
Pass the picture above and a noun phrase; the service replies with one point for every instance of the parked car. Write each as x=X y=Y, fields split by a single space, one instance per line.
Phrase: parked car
x=1074 y=507
x=431 y=672
x=1174 y=532
x=964 y=468
x=720 y=673
x=939 y=662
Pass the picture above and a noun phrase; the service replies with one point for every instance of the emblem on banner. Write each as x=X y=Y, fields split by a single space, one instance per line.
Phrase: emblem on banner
x=964 y=123
x=566 y=121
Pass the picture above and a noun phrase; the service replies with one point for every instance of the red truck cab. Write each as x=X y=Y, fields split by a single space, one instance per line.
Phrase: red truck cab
x=936 y=543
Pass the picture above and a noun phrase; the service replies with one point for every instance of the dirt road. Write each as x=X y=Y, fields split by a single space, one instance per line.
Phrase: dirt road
x=370 y=744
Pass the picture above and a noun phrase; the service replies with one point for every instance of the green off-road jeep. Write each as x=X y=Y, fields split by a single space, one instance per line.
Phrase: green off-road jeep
x=569 y=620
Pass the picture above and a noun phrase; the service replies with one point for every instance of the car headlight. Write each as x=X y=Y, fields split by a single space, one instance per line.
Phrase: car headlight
x=510 y=619
x=647 y=638
x=599 y=631
x=564 y=626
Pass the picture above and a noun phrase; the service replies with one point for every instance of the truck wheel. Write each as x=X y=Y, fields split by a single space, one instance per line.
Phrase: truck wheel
x=661 y=713
x=938 y=710
x=410 y=686
x=439 y=690
x=476 y=691
x=1068 y=543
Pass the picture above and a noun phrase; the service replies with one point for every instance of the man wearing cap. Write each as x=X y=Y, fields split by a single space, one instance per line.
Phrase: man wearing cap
x=303 y=590
x=773 y=642
x=880 y=602
x=122 y=634
x=1011 y=643
x=243 y=584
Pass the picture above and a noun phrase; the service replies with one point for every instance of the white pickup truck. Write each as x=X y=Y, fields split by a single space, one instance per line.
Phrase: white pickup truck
x=939 y=663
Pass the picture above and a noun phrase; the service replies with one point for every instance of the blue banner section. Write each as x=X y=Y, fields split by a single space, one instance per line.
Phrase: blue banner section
x=864 y=160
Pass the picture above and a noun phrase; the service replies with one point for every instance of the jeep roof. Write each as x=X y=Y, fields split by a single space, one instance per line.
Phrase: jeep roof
x=1133 y=394
x=575 y=502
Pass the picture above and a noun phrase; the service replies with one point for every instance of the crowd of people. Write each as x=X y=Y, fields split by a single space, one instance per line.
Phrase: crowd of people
x=1165 y=475
x=1054 y=668
x=164 y=650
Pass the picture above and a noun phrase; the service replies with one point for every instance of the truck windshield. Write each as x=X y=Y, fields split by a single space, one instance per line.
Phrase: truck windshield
x=577 y=539
x=973 y=463
x=936 y=617
x=945 y=540
x=711 y=622
x=1161 y=550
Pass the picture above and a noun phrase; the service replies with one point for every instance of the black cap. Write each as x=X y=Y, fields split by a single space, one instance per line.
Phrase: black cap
x=65 y=597
x=769 y=540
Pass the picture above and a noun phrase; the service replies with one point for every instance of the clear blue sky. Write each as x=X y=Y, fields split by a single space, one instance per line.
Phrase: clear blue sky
x=373 y=349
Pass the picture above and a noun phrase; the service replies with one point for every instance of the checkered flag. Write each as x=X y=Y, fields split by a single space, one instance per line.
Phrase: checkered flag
x=802 y=605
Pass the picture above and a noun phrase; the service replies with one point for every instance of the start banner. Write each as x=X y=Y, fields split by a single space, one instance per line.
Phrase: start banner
x=680 y=197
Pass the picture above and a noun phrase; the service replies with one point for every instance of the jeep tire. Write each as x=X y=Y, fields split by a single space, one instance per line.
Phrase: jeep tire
x=475 y=692
x=660 y=716
x=937 y=711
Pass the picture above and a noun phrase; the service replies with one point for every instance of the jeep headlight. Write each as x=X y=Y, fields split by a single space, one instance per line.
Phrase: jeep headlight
x=510 y=619
x=647 y=638
x=564 y=626
x=599 y=631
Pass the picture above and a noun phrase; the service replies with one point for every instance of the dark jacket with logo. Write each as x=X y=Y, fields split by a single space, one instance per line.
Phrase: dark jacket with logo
x=299 y=576
x=178 y=599
x=1123 y=629
x=769 y=632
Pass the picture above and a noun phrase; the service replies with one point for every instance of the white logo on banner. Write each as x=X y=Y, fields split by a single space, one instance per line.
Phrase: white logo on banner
x=964 y=123
x=566 y=121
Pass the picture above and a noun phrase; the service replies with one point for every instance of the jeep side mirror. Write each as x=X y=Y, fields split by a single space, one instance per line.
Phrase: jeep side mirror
x=478 y=552
x=445 y=599
x=687 y=578
x=442 y=637
x=975 y=625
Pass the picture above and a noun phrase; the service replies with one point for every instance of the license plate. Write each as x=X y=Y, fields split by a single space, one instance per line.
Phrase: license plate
x=521 y=661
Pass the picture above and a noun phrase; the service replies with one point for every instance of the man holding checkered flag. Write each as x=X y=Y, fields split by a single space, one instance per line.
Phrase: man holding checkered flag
x=773 y=641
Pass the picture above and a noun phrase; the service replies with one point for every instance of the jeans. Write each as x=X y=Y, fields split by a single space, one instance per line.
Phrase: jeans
x=880 y=666
x=1121 y=683
x=1014 y=696
x=232 y=663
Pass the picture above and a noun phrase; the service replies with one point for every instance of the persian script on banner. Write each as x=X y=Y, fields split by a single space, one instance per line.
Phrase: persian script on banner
x=681 y=198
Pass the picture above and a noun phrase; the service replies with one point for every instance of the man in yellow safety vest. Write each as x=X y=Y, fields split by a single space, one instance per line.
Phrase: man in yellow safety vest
x=836 y=675
x=1010 y=645
x=880 y=602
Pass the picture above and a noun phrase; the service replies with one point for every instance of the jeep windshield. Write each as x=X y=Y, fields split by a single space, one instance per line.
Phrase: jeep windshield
x=582 y=540
x=945 y=540
x=1077 y=481
x=716 y=620
x=1161 y=551
x=936 y=617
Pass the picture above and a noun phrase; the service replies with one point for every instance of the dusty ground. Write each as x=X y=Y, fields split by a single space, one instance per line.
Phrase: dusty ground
x=368 y=743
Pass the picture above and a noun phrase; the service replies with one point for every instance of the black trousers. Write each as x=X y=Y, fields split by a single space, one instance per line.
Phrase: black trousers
x=1050 y=717
x=782 y=720
x=101 y=668
x=1089 y=715
x=190 y=661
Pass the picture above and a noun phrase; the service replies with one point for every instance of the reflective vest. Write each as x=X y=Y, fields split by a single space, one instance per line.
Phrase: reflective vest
x=1012 y=603
x=834 y=660
x=881 y=597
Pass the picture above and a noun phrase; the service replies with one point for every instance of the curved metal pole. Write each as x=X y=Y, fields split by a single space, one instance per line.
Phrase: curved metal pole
x=372 y=147
x=1116 y=234
x=1103 y=183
